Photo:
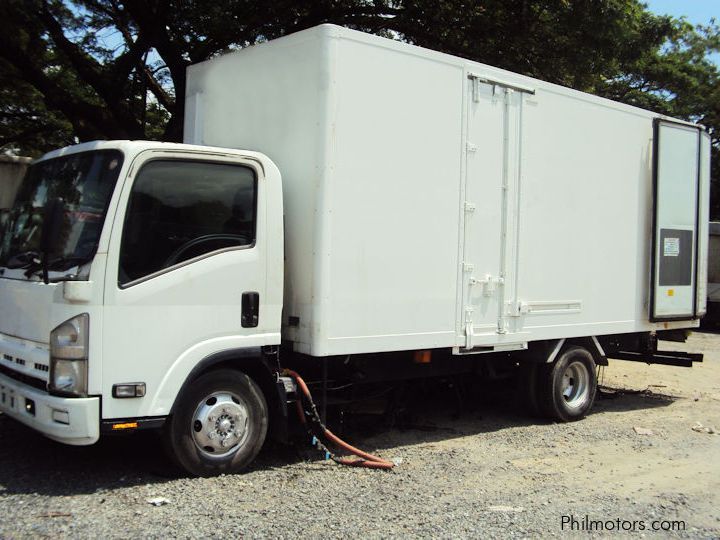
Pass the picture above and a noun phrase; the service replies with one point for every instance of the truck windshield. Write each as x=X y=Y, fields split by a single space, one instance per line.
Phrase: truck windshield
x=84 y=182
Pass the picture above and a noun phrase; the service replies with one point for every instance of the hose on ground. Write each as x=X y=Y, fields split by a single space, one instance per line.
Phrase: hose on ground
x=369 y=461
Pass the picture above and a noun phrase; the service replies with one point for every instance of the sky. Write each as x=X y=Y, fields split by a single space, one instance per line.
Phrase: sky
x=695 y=11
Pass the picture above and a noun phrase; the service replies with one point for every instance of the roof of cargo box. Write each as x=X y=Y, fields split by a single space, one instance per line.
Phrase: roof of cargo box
x=484 y=72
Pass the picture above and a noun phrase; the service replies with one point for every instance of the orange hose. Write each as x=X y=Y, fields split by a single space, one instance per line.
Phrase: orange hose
x=365 y=463
x=366 y=460
x=359 y=453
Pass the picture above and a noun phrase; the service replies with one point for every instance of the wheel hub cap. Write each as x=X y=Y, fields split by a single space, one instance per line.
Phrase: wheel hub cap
x=575 y=384
x=219 y=425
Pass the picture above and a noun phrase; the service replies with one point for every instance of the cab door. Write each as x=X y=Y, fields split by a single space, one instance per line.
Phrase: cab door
x=185 y=272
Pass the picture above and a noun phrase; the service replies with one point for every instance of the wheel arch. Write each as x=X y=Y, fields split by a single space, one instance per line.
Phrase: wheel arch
x=258 y=363
x=546 y=352
x=592 y=345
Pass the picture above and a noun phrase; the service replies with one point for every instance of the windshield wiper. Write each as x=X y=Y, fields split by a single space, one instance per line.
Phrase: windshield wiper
x=24 y=259
x=59 y=264
x=65 y=263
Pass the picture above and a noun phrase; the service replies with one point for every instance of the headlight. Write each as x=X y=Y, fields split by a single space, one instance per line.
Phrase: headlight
x=69 y=357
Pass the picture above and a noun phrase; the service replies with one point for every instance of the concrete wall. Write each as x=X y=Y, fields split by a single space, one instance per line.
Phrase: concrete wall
x=12 y=169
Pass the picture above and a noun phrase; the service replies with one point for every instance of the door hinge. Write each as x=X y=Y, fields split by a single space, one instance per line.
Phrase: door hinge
x=517 y=309
x=469 y=207
x=512 y=309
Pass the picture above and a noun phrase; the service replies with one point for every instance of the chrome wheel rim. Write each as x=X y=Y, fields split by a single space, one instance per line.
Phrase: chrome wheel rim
x=220 y=424
x=575 y=385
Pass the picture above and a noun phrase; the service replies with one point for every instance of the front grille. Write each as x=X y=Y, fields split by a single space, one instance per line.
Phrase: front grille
x=23 y=362
x=25 y=379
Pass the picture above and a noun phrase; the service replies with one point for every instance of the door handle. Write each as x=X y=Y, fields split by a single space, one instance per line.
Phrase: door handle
x=250 y=309
x=489 y=283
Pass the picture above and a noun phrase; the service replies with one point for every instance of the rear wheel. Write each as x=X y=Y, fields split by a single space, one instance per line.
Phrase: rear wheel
x=219 y=425
x=567 y=387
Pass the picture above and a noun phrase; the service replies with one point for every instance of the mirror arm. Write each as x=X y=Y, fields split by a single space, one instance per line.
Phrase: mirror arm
x=51 y=222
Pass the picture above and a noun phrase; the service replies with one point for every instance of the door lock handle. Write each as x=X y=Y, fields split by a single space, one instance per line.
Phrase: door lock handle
x=489 y=283
x=250 y=309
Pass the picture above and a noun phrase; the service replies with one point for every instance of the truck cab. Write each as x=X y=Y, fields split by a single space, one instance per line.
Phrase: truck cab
x=128 y=269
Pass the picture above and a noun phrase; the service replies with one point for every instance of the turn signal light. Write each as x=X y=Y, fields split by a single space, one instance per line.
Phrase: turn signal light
x=128 y=390
x=126 y=425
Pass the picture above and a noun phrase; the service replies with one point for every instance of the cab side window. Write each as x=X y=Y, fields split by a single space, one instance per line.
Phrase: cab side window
x=179 y=210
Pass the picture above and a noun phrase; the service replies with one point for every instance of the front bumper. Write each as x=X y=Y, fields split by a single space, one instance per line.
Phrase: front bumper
x=73 y=421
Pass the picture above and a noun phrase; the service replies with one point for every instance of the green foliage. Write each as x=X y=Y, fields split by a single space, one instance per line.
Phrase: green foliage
x=83 y=69
x=27 y=127
x=576 y=43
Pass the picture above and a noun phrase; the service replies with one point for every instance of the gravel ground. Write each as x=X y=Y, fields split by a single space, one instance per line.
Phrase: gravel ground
x=488 y=472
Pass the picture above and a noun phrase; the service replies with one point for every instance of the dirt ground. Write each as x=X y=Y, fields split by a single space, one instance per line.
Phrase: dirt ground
x=675 y=463
x=487 y=472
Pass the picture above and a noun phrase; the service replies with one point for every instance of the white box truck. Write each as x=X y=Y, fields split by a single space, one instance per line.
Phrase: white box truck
x=347 y=205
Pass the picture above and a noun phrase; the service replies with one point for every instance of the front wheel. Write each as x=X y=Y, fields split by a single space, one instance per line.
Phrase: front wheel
x=567 y=387
x=219 y=424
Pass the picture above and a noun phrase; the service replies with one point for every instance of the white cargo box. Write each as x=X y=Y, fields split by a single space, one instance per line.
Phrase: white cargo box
x=432 y=201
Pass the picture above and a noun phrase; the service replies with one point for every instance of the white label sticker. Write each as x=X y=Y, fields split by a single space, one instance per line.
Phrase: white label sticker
x=671 y=247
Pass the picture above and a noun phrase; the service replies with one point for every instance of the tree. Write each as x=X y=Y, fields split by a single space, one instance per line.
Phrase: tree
x=100 y=87
x=86 y=69
x=678 y=80
x=26 y=125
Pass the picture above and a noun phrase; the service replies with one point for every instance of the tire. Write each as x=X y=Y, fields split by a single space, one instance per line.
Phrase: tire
x=219 y=424
x=567 y=387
